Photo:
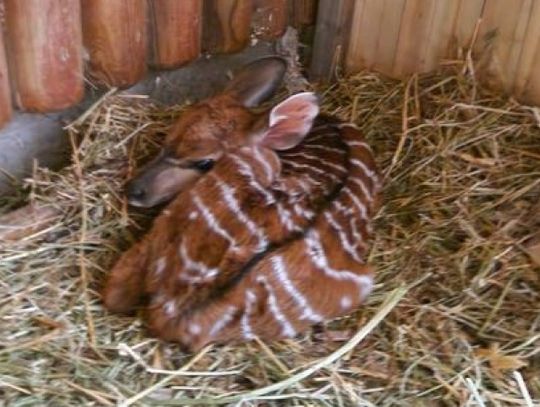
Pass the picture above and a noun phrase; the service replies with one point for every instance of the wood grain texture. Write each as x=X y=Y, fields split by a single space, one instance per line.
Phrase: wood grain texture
x=5 y=91
x=467 y=17
x=43 y=39
x=527 y=82
x=115 y=36
x=413 y=36
x=176 y=31
x=332 y=35
x=374 y=35
x=270 y=18
x=226 y=25
x=401 y=37
x=302 y=12
x=501 y=38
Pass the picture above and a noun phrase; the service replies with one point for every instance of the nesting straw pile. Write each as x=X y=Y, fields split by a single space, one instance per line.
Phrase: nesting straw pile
x=461 y=203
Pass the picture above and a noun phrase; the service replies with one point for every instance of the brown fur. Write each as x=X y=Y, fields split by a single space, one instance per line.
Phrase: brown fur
x=174 y=226
x=191 y=326
x=208 y=278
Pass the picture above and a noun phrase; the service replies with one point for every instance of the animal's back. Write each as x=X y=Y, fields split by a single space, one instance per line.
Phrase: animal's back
x=319 y=275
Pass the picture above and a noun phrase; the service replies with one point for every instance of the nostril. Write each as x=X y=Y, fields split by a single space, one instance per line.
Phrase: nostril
x=135 y=192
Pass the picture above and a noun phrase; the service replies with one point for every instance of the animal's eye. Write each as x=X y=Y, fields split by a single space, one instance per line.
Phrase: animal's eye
x=203 y=165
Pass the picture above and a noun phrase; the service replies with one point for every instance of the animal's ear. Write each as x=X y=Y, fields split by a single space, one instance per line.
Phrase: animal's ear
x=290 y=121
x=257 y=81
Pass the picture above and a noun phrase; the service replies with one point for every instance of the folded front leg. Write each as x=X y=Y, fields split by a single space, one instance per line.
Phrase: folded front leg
x=124 y=287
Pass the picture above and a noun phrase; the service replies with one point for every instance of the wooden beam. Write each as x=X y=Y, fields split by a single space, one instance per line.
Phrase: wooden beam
x=176 y=31
x=226 y=25
x=270 y=18
x=44 y=47
x=5 y=91
x=331 y=37
x=302 y=12
x=115 y=35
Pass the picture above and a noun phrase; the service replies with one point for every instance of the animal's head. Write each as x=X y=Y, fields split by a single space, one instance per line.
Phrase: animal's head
x=208 y=129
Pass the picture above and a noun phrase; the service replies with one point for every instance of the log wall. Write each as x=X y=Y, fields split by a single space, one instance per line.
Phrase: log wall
x=50 y=49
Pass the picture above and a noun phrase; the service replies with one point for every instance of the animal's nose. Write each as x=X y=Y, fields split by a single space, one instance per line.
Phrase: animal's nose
x=135 y=192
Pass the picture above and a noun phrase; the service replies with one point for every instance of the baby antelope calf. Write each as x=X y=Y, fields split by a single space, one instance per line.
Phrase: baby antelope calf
x=224 y=124
x=268 y=241
x=315 y=277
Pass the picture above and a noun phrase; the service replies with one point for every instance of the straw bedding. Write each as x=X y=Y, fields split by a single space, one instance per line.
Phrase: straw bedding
x=460 y=207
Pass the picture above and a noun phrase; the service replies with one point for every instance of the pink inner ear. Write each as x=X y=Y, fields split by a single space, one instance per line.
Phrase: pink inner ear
x=296 y=106
x=290 y=121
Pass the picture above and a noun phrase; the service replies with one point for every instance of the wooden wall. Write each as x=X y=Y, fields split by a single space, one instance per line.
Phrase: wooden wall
x=50 y=49
x=400 y=37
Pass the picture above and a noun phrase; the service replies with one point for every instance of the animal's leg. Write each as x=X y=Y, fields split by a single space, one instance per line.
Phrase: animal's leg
x=124 y=288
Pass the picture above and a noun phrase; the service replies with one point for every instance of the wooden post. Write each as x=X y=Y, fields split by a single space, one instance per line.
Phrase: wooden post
x=270 y=18
x=5 y=92
x=115 y=35
x=176 y=31
x=302 y=12
x=226 y=25
x=527 y=83
x=331 y=37
x=45 y=53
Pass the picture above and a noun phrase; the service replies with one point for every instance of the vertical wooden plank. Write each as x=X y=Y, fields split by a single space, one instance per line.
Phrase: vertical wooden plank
x=176 y=31
x=303 y=12
x=366 y=30
x=387 y=41
x=5 y=92
x=45 y=53
x=440 y=34
x=226 y=25
x=531 y=89
x=331 y=37
x=501 y=35
x=115 y=36
x=399 y=37
x=468 y=13
x=527 y=81
x=413 y=36
x=269 y=18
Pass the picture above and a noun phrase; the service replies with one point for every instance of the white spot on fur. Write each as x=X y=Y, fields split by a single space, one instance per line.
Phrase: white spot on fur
x=345 y=302
x=170 y=308
x=194 y=329
x=161 y=263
